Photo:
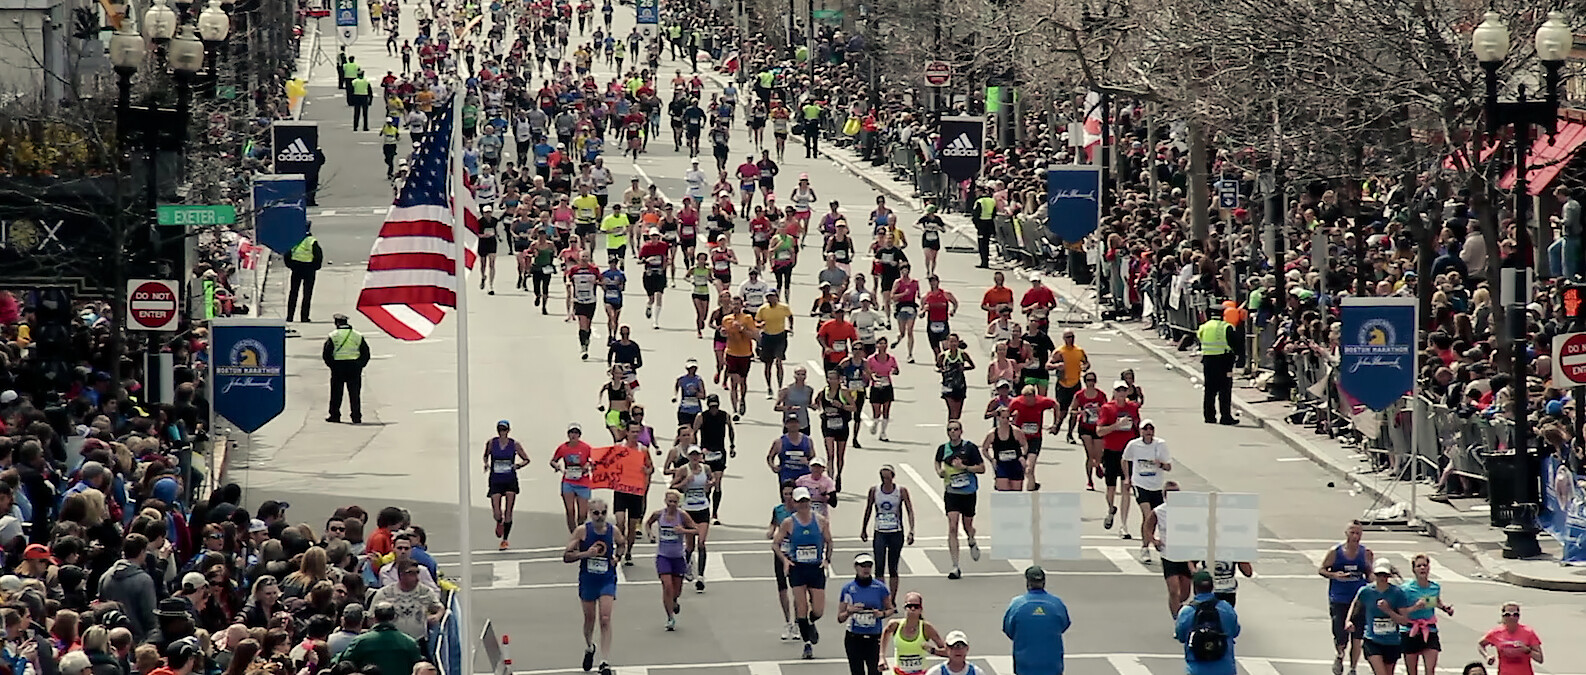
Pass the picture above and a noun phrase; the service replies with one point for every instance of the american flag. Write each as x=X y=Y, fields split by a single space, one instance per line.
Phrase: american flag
x=412 y=280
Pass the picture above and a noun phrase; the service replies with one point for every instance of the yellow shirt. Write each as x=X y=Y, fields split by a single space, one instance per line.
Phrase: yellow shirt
x=739 y=340
x=1073 y=359
x=775 y=318
x=585 y=207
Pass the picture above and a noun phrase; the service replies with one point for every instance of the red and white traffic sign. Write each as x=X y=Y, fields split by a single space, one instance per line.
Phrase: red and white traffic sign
x=152 y=304
x=938 y=73
x=1569 y=360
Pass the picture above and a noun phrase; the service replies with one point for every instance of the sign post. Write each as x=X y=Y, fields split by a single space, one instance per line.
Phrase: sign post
x=153 y=304
x=346 y=21
x=938 y=73
x=1035 y=526
x=1377 y=361
x=647 y=13
x=196 y=215
x=1212 y=526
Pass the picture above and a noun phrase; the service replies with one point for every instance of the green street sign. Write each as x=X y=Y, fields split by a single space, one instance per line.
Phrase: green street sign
x=827 y=15
x=192 y=215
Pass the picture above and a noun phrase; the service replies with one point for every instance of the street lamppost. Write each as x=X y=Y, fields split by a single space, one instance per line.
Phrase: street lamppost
x=1490 y=42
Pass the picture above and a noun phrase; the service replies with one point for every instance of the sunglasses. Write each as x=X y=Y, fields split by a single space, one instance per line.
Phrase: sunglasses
x=338 y=529
x=597 y=513
x=912 y=605
x=215 y=536
x=1510 y=614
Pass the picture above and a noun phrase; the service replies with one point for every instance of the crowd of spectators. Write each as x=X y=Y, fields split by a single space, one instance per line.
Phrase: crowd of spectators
x=1376 y=237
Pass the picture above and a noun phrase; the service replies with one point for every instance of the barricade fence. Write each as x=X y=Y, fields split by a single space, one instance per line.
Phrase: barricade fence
x=1455 y=450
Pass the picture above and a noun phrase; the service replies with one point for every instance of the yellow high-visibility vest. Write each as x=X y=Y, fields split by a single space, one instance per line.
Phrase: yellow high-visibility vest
x=304 y=250
x=987 y=206
x=1213 y=337
x=348 y=342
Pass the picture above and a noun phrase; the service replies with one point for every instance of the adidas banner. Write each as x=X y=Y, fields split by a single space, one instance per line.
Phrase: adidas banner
x=293 y=145
x=960 y=147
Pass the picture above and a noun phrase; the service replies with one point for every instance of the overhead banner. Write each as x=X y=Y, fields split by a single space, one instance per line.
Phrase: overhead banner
x=961 y=146
x=1377 y=349
x=280 y=213
x=647 y=13
x=248 y=359
x=1073 y=200
x=346 y=21
x=1563 y=508
x=294 y=143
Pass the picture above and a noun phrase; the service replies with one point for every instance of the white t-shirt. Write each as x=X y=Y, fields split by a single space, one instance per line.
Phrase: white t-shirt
x=1148 y=460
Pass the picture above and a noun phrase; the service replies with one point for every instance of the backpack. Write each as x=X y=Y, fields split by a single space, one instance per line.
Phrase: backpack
x=1207 y=641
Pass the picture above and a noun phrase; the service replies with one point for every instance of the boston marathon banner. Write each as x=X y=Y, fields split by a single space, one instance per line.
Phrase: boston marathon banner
x=1564 y=509
x=962 y=143
x=248 y=361
x=1377 y=350
x=1073 y=200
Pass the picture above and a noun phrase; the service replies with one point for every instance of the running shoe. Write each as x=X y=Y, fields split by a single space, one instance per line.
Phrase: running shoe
x=589 y=657
x=1112 y=513
x=974 y=551
x=815 y=634
x=699 y=584
x=788 y=632
x=1090 y=484
x=1145 y=554
x=809 y=651
x=955 y=574
x=504 y=545
x=605 y=669
x=647 y=315
x=671 y=623
x=499 y=528
x=1338 y=665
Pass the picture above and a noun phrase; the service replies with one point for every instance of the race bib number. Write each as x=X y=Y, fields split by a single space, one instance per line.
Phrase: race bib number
x=839 y=345
x=949 y=389
x=669 y=535
x=613 y=294
x=1007 y=455
x=722 y=265
x=883 y=380
x=887 y=521
x=888 y=258
x=866 y=619
x=1144 y=468
x=654 y=261
x=784 y=254
x=695 y=499
x=959 y=481
x=937 y=326
x=912 y=663
x=807 y=555
x=573 y=472
x=597 y=565
x=690 y=403
x=713 y=456
x=931 y=236
x=548 y=270
x=1091 y=415
x=1383 y=625
x=1223 y=580
x=501 y=466
x=834 y=423
x=841 y=255
x=1030 y=428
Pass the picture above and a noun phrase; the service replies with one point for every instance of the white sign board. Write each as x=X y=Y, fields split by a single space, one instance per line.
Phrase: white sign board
x=1014 y=522
x=153 y=304
x=1187 y=516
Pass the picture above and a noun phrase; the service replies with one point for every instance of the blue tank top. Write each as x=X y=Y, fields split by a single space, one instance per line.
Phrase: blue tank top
x=599 y=568
x=1345 y=590
x=502 y=456
x=795 y=459
x=807 y=542
x=669 y=540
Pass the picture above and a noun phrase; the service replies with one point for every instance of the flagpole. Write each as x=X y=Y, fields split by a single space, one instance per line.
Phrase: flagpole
x=464 y=467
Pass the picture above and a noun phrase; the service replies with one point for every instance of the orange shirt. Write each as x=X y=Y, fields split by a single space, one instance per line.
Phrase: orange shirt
x=740 y=339
x=996 y=295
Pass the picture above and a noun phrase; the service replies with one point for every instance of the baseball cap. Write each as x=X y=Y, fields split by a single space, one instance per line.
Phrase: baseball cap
x=889 y=467
x=193 y=581
x=654 y=232
x=695 y=450
x=503 y=423
x=257 y=525
x=1120 y=384
x=1034 y=276
x=1382 y=566
x=36 y=552
x=864 y=559
x=864 y=297
x=801 y=494
x=957 y=637
x=817 y=461
x=7 y=396
x=1034 y=573
x=1147 y=423
x=1003 y=383
x=691 y=363
x=575 y=427
x=1201 y=577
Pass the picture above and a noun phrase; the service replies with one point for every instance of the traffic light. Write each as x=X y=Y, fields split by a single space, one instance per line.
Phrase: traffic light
x=1572 y=298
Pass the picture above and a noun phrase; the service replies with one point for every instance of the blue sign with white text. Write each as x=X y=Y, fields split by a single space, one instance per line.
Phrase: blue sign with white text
x=1564 y=508
x=1377 y=349
x=346 y=12
x=249 y=370
x=647 y=11
x=280 y=211
x=1073 y=201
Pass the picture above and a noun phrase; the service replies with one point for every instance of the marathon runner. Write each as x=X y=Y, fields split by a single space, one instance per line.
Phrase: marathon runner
x=864 y=605
x=807 y=555
x=779 y=513
x=503 y=457
x=688 y=392
x=594 y=547
x=696 y=481
x=797 y=399
x=613 y=281
x=940 y=307
x=573 y=459
x=913 y=638
x=889 y=502
x=905 y=293
x=1029 y=415
x=654 y=254
x=1008 y=449
x=1118 y=423
x=1146 y=461
x=953 y=363
x=838 y=409
x=789 y=457
x=667 y=527
x=959 y=462
x=582 y=280
x=1344 y=567
x=742 y=332
x=880 y=368
x=775 y=322
x=1086 y=407
x=699 y=278
x=719 y=438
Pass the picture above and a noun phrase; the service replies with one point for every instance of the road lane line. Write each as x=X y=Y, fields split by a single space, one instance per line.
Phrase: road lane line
x=1128 y=664
x=505 y=573
x=919 y=563
x=928 y=489
x=1257 y=666
x=1002 y=665
x=764 y=668
x=433 y=411
x=1125 y=561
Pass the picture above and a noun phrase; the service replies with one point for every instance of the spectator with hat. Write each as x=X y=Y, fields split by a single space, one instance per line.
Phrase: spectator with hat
x=384 y=645
x=1035 y=622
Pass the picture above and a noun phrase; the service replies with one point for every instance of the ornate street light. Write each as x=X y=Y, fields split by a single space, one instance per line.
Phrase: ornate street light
x=1490 y=40
x=159 y=22
x=213 y=23
x=186 y=54
x=1554 y=39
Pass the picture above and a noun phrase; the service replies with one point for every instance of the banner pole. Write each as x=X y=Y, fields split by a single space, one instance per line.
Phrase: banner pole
x=464 y=475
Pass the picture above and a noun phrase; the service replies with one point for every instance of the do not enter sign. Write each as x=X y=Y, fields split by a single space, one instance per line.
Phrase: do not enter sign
x=1569 y=360
x=152 y=304
x=938 y=73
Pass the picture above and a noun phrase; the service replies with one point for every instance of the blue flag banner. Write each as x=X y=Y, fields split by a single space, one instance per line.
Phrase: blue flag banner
x=647 y=11
x=1564 y=508
x=248 y=363
x=280 y=213
x=1073 y=200
x=346 y=12
x=1377 y=349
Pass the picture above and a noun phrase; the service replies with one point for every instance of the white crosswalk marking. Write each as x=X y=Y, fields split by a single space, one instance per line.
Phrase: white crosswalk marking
x=919 y=563
x=1122 y=558
x=764 y=668
x=1128 y=664
x=1255 y=666
x=505 y=573
x=997 y=664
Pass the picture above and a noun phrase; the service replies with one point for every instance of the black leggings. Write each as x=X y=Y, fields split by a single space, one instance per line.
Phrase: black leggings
x=859 y=412
x=542 y=284
x=887 y=547
x=864 y=653
x=784 y=279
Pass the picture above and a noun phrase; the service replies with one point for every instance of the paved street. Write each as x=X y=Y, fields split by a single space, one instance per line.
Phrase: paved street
x=524 y=368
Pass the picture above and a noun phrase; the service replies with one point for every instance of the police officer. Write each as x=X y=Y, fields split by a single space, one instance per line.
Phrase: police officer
x=349 y=72
x=984 y=217
x=304 y=261
x=1219 y=351
x=346 y=353
x=360 y=96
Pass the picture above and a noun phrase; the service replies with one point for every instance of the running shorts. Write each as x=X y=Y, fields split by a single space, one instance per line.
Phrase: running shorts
x=960 y=503
x=581 y=491
x=781 y=572
x=503 y=486
x=654 y=283
x=1112 y=466
x=738 y=365
x=881 y=394
x=667 y=566
x=807 y=575
x=1065 y=396
x=590 y=589
x=1174 y=568
x=631 y=504
x=584 y=309
x=1389 y=653
x=1151 y=498
x=907 y=311
x=773 y=347
x=956 y=394
x=1010 y=470
x=1339 y=613
x=700 y=516
x=1415 y=644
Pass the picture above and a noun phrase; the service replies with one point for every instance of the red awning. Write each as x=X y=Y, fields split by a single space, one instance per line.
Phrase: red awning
x=1549 y=156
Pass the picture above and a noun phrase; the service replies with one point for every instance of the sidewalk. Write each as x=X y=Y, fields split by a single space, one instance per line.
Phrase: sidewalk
x=1462 y=525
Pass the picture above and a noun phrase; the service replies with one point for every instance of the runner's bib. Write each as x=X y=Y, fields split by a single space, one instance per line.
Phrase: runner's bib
x=1007 y=455
x=911 y=663
x=714 y=456
x=1383 y=626
x=937 y=326
x=834 y=422
x=501 y=466
x=806 y=555
x=959 y=481
x=840 y=346
x=548 y=270
x=573 y=472
x=865 y=619
x=695 y=499
x=597 y=565
x=669 y=535
x=1030 y=428
x=887 y=521
x=1145 y=468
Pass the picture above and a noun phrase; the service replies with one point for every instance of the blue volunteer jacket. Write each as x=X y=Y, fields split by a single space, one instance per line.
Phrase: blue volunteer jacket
x=1035 y=622
x=1186 y=623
